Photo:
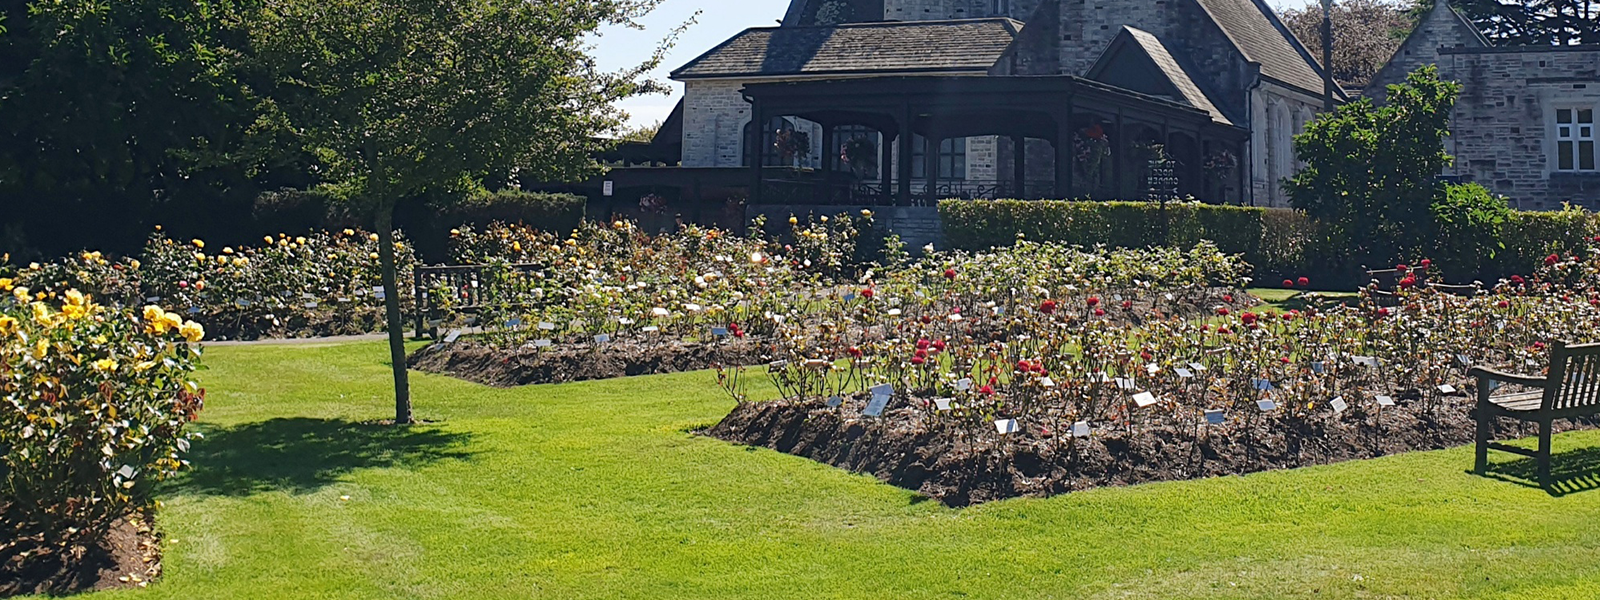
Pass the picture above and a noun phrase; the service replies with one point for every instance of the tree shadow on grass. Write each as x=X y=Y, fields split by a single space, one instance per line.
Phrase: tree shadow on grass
x=301 y=455
x=1571 y=472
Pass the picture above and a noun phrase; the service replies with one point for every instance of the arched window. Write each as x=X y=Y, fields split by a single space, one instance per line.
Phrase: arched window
x=952 y=158
x=770 y=157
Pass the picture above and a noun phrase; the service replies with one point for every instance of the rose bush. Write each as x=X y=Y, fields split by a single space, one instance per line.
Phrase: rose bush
x=94 y=407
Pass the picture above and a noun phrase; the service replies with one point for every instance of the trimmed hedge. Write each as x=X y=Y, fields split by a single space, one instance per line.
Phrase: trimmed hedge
x=1277 y=242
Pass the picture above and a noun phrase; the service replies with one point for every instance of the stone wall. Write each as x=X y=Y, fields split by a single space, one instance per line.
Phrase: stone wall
x=714 y=114
x=918 y=226
x=1440 y=28
x=1503 y=127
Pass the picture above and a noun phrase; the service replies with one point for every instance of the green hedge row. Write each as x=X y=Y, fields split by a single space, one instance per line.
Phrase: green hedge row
x=1278 y=242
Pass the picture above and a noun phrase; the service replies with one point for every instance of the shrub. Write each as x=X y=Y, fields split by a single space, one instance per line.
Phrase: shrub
x=95 y=404
x=1469 y=225
x=558 y=213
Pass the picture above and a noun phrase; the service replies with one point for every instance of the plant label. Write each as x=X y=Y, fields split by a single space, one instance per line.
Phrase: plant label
x=1338 y=404
x=1532 y=362
x=651 y=329
x=1005 y=426
x=1169 y=296
x=1143 y=399
x=963 y=384
x=875 y=407
x=1447 y=389
x=624 y=321
x=834 y=402
x=1385 y=401
x=941 y=403
x=848 y=296
x=153 y=299
x=1463 y=360
x=1317 y=367
x=1198 y=368
x=1263 y=384
x=1117 y=297
x=311 y=305
x=541 y=343
x=883 y=389
x=1367 y=361
x=1183 y=373
x=1152 y=369
x=195 y=310
x=1080 y=429
x=450 y=338
x=307 y=295
x=1215 y=416
x=1101 y=377
x=1047 y=382
x=514 y=322
x=720 y=332
x=474 y=284
x=546 y=325
x=242 y=302
x=602 y=338
x=1125 y=383
x=1266 y=405
x=343 y=299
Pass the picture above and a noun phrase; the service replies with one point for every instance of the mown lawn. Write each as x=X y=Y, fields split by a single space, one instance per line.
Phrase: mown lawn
x=596 y=490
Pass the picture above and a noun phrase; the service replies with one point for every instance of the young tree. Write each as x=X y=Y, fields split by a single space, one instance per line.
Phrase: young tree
x=397 y=97
x=1365 y=34
x=1371 y=173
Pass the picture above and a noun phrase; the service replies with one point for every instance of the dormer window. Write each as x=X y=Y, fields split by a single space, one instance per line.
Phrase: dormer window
x=1575 y=140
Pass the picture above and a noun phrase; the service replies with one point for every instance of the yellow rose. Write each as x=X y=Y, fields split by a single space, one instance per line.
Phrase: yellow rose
x=133 y=263
x=227 y=249
x=192 y=331
x=241 y=261
x=104 y=364
x=349 y=232
x=5 y=284
x=40 y=350
x=171 y=320
x=300 y=240
x=372 y=236
x=42 y=314
x=794 y=221
x=373 y=256
x=152 y=313
x=198 y=243
x=8 y=325
x=268 y=238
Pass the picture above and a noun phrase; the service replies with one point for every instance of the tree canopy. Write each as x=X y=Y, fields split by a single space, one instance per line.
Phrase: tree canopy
x=1535 y=23
x=1366 y=34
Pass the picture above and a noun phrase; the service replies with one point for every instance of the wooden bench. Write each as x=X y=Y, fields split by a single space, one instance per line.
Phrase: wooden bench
x=1571 y=390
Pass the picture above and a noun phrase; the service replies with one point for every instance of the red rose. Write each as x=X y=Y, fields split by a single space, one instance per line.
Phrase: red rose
x=1402 y=268
x=922 y=344
x=1145 y=354
x=866 y=293
x=1518 y=280
x=938 y=345
x=1022 y=366
x=854 y=352
x=1383 y=312
x=1047 y=307
x=917 y=360
x=1249 y=318
x=1408 y=281
x=1305 y=281
x=926 y=319
x=1426 y=263
x=921 y=354
x=1228 y=298
x=986 y=390
x=1099 y=312
x=1223 y=329
x=1503 y=304
x=1093 y=300
x=1222 y=310
x=1288 y=284
x=1552 y=259
x=1126 y=304
x=949 y=273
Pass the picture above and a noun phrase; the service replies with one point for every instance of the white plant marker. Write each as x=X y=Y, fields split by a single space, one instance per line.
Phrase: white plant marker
x=963 y=384
x=1198 y=368
x=942 y=403
x=1047 y=382
x=1183 y=373
x=1215 y=416
x=1385 y=401
x=883 y=389
x=541 y=343
x=1080 y=429
x=1266 y=405
x=1143 y=399
x=451 y=337
x=1005 y=426
x=1447 y=389
x=1338 y=404
x=875 y=407
x=602 y=338
x=834 y=401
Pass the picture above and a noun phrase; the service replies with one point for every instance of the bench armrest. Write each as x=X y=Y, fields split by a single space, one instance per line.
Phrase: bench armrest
x=1503 y=377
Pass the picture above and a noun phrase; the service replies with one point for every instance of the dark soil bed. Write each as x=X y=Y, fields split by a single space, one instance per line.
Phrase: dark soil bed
x=506 y=367
x=945 y=460
x=126 y=555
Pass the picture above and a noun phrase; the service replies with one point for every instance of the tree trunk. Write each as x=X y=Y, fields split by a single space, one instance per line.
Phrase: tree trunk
x=391 y=305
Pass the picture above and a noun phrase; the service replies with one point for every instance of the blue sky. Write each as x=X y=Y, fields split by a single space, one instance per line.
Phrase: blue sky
x=617 y=47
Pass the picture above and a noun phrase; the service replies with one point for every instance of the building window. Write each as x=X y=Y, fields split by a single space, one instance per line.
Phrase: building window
x=952 y=158
x=1575 y=137
x=1002 y=8
x=770 y=156
x=860 y=142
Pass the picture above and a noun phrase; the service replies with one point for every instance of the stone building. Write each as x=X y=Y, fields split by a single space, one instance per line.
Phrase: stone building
x=1088 y=91
x=1525 y=123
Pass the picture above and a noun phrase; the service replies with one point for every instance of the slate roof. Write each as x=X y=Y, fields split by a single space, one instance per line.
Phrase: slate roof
x=967 y=45
x=1180 y=78
x=1262 y=38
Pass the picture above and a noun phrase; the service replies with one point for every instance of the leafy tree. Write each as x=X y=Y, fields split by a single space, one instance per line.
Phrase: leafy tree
x=397 y=98
x=1371 y=173
x=1469 y=226
x=1365 y=35
x=639 y=133
x=1535 y=23
x=105 y=108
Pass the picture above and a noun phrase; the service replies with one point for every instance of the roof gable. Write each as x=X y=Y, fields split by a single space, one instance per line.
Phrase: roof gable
x=1258 y=34
x=1441 y=24
x=1137 y=60
x=968 y=45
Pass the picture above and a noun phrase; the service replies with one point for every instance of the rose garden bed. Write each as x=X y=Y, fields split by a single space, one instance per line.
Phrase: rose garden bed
x=127 y=554
x=960 y=464
x=504 y=367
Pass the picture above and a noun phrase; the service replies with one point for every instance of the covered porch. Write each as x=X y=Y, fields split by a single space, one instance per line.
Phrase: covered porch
x=1058 y=137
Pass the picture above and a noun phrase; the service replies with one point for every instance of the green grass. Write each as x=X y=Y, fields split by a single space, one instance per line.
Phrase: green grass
x=595 y=490
x=1283 y=299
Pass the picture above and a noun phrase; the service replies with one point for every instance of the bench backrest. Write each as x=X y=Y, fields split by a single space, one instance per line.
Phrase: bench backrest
x=1576 y=372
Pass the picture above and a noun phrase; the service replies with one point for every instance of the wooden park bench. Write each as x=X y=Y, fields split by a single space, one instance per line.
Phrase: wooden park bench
x=1570 y=390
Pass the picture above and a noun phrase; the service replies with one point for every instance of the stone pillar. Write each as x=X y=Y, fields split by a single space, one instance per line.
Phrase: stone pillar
x=1019 y=170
